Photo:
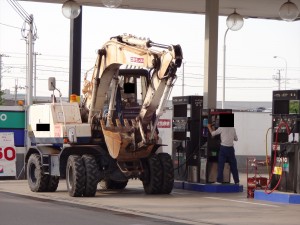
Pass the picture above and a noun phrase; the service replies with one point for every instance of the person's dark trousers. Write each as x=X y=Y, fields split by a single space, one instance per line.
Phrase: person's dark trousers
x=226 y=154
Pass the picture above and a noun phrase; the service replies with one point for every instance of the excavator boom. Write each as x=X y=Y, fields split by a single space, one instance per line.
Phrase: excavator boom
x=130 y=84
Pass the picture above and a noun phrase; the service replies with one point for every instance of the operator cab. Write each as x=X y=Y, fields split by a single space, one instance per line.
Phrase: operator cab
x=131 y=91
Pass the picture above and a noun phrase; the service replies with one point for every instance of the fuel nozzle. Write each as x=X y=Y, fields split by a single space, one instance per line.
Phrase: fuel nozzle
x=180 y=148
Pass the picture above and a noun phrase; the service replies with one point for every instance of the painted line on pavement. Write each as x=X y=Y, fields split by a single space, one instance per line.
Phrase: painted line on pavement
x=251 y=203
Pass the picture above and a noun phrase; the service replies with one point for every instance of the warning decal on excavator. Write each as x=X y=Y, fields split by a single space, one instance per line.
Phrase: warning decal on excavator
x=164 y=123
x=57 y=130
x=136 y=60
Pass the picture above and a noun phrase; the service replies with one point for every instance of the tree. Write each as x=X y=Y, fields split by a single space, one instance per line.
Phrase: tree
x=294 y=107
x=1 y=99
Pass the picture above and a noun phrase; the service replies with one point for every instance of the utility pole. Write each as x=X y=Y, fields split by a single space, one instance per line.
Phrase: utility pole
x=1 y=55
x=285 y=77
x=16 y=90
x=278 y=78
x=30 y=37
x=0 y=70
x=30 y=51
x=34 y=62
x=183 y=79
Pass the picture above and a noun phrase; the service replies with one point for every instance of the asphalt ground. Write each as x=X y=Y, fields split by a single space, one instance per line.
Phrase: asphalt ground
x=181 y=206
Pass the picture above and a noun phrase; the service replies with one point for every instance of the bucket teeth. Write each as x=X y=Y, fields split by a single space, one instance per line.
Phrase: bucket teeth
x=118 y=123
x=126 y=123
x=102 y=123
x=133 y=122
x=118 y=138
x=110 y=122
x=118 y=127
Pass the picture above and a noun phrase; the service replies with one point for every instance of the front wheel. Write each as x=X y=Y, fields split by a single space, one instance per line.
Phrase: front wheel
x=152 y=179
x=168 y=173
x=75 y=176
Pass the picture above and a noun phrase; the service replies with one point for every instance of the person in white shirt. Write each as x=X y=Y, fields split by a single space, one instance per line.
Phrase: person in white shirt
x=227 y=152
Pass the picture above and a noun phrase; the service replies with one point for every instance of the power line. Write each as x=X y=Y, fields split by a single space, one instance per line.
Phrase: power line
x=1 y=55
x=19 y=28
x=19 y=9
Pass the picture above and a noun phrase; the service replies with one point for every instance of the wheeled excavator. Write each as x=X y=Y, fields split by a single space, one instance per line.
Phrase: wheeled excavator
x=111 y=136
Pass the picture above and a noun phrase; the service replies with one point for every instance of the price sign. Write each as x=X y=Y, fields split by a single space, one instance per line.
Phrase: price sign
x=7 y=154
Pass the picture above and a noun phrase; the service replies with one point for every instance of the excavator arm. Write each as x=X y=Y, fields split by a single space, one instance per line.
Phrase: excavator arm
x=120 y=62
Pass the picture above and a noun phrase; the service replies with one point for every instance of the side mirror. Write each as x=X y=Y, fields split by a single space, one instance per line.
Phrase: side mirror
x=51 y=83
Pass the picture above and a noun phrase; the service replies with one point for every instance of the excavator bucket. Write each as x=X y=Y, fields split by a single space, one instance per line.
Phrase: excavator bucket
x=116 y=138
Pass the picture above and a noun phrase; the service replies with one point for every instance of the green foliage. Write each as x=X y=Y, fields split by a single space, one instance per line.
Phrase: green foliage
x=294 y=107
x=1 y=99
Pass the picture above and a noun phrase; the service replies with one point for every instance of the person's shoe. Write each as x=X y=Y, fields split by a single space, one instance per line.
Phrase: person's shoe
x=237 y=184
x=218 y=183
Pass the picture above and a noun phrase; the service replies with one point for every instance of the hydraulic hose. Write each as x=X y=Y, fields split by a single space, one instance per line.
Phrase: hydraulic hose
x=267 y=160
x=274 y=158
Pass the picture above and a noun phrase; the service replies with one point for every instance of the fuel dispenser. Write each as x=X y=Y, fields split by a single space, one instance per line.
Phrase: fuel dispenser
x=285 y=156
x=185 y=134
x=210 y=147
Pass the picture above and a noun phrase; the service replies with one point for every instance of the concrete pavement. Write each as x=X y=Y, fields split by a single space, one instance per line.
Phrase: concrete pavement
x=182 y=206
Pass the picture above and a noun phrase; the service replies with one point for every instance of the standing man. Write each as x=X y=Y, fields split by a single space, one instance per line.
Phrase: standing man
x=227 y=152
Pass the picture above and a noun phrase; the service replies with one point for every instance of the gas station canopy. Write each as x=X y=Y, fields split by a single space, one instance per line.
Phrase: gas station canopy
x=264 y=9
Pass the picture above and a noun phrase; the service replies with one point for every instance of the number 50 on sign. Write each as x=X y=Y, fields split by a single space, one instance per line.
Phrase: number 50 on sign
x=8 y=153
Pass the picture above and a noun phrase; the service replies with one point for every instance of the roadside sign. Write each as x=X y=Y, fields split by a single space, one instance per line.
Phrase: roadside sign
x=12 y=119
x=7 y=154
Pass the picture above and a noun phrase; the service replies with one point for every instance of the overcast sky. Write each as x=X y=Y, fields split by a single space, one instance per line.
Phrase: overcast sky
x=250 y=64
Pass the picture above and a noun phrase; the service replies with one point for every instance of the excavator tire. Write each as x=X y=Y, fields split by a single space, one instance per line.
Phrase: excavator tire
x=75 y=176
x=52 y=183
x=152 y=180
x=168 y=173
x=107 y=184
x=91 y=175
x=37 y=180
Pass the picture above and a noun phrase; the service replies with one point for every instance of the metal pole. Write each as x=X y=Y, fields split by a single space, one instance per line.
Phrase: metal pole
x=35 y=53
x=183 y=79
x=279 y=80
x=285 y=76
x=224 y=68
x=75 y=55
x=1 y=55
x=16 y=90
x=0 y=70
x=30 y=64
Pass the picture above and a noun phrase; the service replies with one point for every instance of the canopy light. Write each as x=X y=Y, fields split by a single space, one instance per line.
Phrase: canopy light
x=288 y=11
x=234 y=21
x=70 y=9
x=112 y=3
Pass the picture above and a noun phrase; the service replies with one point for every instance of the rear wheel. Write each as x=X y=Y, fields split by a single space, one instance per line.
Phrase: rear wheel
x=37 y=180
x=75 y=176
x=107 y=184
x=152 y=180
x=168 y=173
x=91 y=175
